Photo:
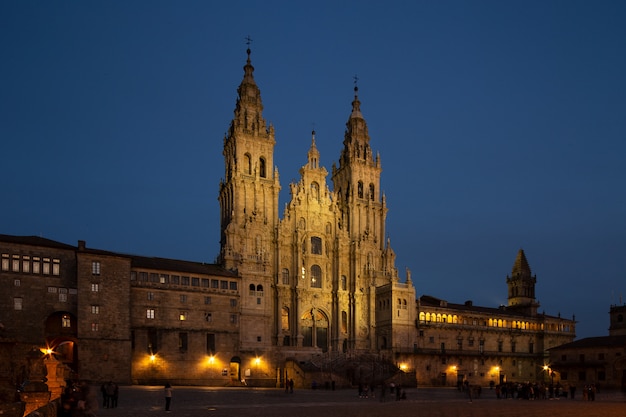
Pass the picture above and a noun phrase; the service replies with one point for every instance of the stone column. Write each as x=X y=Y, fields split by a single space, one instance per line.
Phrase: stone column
x=56 y=376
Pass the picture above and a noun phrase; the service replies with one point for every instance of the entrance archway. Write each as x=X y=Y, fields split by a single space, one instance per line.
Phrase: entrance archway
x=314 y=326
x=235 y=369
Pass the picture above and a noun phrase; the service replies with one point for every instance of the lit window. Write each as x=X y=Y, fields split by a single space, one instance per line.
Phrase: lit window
x=150 y=313
x=95 y=268
x=164 y=278
x=66 y=321
x=182 y=316
x=95 y=309
x=63 y=297
x=95 y=327
x=46 y=266
x=56 y=267
x=26 y=264
x=18 y=303
x=95 y=287
x=5 y=261
x=16 y=263
x=52 y=290
x=36 y=265
x=316 y=276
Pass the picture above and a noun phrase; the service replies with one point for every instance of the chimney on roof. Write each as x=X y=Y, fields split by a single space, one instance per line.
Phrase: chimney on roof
x=81 y=245
x=469 y=303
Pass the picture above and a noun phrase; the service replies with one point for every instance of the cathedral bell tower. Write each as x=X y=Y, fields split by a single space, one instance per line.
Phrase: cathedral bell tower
x=248 y=194
x=248 y=199
x=521 y=285
x=362 y=215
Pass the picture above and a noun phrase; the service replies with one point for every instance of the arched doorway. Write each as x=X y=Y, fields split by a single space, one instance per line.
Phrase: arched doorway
x=235 y=369
x=314 y=329
x=61 y=336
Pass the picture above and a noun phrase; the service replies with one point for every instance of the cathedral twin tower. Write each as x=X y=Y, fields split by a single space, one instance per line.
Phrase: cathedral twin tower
x=310 y=279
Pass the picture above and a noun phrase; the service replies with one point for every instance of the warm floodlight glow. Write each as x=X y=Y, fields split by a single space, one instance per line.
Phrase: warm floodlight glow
x=211 y=359
x=152 y=358
x=46 y=351
x=257 y=361
x=403 y=367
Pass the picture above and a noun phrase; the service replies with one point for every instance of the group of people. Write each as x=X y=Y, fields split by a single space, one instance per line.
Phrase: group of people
x=289 y=385
x=78 y=400
x=110 y=393
x=542 y=391
x=367 y=391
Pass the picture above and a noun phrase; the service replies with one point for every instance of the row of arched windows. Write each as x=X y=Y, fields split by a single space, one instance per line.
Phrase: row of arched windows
x=371 y=190
x=256 y=290
x=247 y=166
x=427 y=317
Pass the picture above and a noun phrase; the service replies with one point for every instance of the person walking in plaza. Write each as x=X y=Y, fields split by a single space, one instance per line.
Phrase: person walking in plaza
x=168 y=396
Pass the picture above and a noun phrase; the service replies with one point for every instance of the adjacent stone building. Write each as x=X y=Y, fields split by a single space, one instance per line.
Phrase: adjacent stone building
x=600 y=360
x=313 y=291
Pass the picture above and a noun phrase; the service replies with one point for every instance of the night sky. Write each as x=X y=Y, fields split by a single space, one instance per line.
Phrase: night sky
x=500 y=124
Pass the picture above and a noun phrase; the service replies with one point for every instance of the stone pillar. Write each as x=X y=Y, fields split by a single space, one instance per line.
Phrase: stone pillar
x=56 y=376
x=35 y=392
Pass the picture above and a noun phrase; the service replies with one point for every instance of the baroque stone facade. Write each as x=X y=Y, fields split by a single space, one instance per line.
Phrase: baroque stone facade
x=317 y=285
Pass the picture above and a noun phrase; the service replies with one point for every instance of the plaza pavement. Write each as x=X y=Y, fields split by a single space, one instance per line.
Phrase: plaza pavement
x=144 y=401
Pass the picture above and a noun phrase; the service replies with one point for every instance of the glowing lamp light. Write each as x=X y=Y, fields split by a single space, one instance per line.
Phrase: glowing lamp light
x=152 y=358
x=211 y=359
x=403 y=366
x=257 y=361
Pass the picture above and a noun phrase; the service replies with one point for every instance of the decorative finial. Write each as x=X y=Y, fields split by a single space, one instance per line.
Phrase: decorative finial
x=356 y=80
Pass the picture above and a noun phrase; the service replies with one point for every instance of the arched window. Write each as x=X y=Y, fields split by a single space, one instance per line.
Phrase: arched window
x=360 y=189
x=316 y=276
x=262 y=173
x=259 y=288
x=344 y=322
x=285 y=274
x=247 y=164
x=343 y=282
x=316 y=245
x=422 y=316
x=372 y=192
x=252 y=289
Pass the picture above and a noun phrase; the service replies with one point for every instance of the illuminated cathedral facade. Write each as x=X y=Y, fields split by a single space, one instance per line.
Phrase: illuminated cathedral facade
x=311 y=293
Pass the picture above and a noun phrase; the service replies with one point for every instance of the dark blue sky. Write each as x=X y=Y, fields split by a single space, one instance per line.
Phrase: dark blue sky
x=501 y=125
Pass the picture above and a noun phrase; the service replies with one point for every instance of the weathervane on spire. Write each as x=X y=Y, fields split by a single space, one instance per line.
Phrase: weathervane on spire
x=356 y=80
x=248 y=42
